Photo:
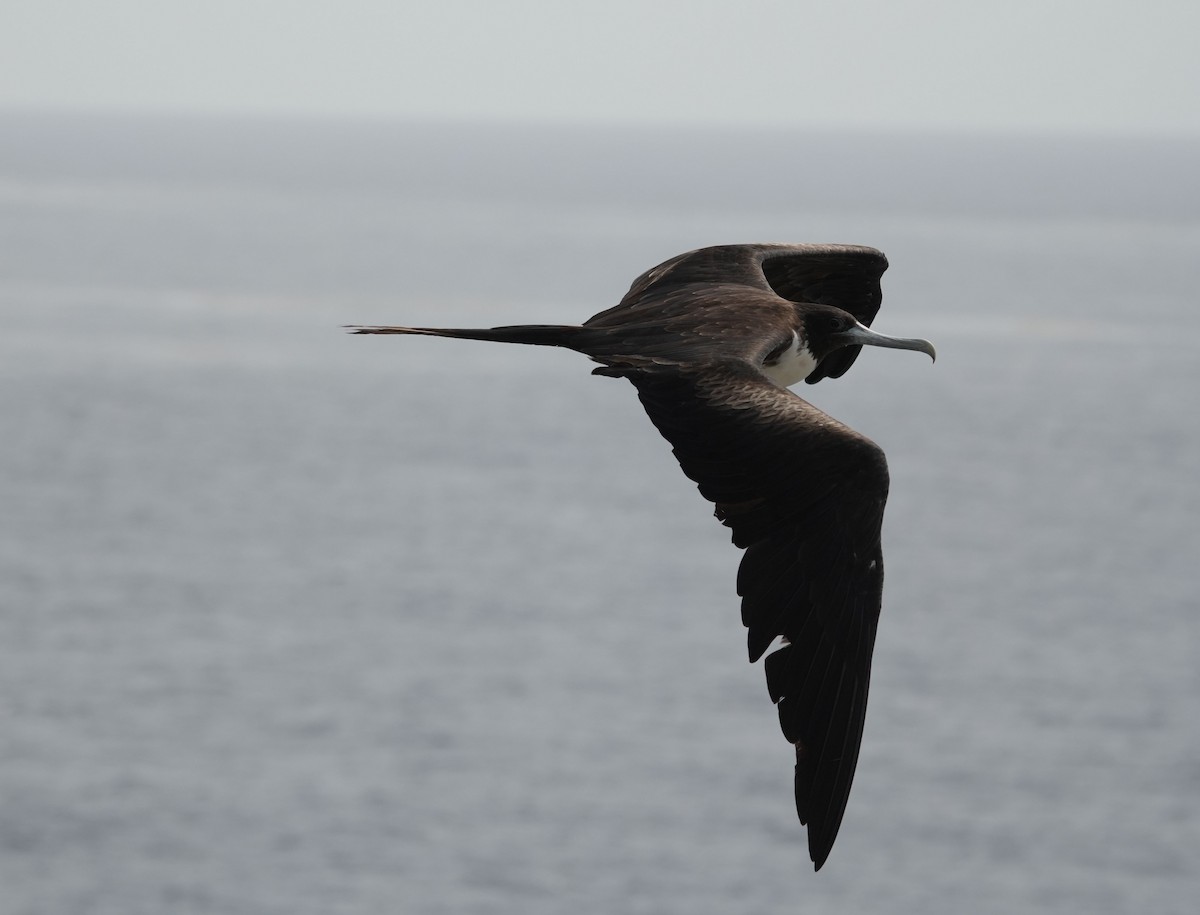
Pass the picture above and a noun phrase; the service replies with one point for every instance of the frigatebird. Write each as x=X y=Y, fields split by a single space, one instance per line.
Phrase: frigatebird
x=712 y=339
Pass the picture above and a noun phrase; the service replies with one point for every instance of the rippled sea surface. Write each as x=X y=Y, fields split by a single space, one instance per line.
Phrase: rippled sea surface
x=299 y=622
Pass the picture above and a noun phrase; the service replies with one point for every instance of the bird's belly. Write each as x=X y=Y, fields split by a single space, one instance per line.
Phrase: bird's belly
x=793 y=366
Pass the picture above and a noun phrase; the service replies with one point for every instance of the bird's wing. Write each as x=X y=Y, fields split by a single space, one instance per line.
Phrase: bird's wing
x=804 y=496
x=844 y=276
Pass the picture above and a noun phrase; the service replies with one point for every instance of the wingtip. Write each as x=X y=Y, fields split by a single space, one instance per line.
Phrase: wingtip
x=818 y=852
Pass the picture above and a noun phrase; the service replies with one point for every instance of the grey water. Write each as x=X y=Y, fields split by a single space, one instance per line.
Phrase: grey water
x=293 y=621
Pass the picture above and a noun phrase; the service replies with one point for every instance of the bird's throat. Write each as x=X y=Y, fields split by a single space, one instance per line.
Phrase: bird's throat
x=792 y=366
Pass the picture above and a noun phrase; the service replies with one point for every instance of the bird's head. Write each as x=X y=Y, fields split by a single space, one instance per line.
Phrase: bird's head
x=827 y=329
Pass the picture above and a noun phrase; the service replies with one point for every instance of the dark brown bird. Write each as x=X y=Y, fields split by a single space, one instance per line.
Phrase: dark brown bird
x=712 y=339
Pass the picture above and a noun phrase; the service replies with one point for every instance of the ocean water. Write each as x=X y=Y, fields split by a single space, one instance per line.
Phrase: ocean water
x=298 y=622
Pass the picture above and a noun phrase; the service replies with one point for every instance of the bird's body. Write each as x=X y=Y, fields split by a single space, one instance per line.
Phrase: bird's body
x=711 y=340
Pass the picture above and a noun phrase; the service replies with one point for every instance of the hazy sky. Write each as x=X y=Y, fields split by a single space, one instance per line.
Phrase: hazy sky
x=1031 y=65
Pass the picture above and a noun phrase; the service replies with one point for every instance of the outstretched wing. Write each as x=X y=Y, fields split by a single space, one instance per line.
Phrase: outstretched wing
x=804 y=496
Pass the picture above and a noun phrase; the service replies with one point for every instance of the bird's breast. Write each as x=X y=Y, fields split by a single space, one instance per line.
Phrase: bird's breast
x=792 y=365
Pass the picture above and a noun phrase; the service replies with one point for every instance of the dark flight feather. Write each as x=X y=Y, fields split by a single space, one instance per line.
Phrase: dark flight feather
x=802 y=494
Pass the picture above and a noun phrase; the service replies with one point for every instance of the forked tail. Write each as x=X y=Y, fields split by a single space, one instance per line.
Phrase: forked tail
x=533 y=334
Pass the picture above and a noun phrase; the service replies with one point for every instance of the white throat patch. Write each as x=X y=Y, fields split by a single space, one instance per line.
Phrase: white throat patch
x=796 y=364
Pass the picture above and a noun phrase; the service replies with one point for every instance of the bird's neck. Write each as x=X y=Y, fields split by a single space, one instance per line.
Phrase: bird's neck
x=793 y=365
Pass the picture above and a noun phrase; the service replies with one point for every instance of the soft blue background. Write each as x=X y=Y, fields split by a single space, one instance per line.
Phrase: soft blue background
x=299 y=622
x=1003 y=66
